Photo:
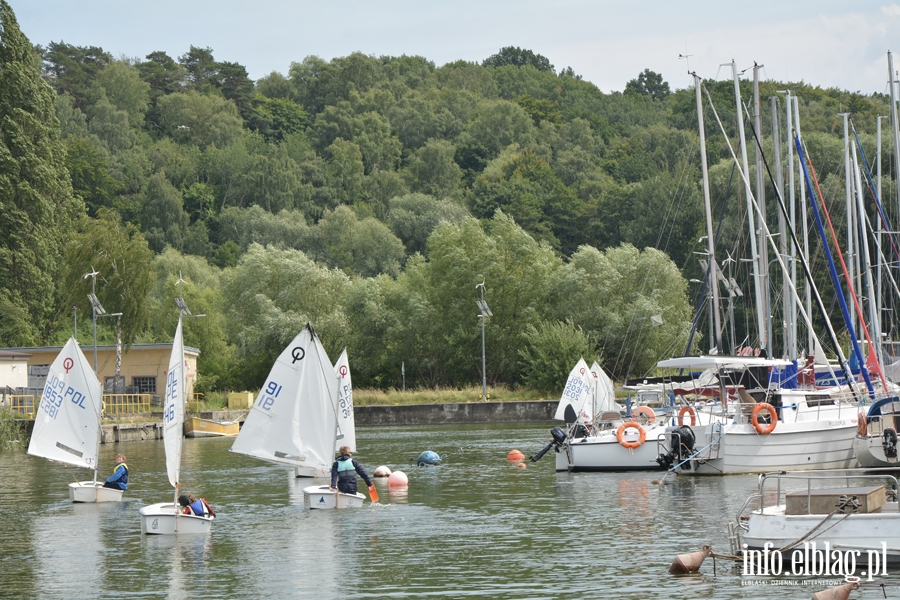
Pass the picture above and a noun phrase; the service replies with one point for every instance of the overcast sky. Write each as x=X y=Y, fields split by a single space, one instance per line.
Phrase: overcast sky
x=823 y=42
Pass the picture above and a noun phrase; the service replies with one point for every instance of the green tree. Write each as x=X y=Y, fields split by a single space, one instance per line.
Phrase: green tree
x=413 y=217
x=365 y=247
x=72 y=69
x=91 y=181
x=119 y=253
x=200 y=65
x=518 y=57
x=162 y=214
x=650 y=84
x=199 y=119
x=37 y=207
x=123 y=87
x=433 y=170
x=550 y=351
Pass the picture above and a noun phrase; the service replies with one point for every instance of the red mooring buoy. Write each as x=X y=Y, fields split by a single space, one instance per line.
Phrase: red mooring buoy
x=690 y=563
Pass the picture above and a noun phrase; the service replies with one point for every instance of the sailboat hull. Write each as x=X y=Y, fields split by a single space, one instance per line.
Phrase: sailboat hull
x=321 y=497
x=603 y=452
x=93 y=491
x=166 y=518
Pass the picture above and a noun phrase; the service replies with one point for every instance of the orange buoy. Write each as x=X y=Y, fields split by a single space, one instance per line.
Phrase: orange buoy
x=398 y=479
x=515 y=456
x=773 y=417
x=690 y=563
x=620 y=435
x=521 y=465
x=687 y=410
x=842 y=592
x=648 y=412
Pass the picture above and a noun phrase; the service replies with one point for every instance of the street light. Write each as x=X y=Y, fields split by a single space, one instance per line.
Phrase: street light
x=97 y=310
x=484 y=312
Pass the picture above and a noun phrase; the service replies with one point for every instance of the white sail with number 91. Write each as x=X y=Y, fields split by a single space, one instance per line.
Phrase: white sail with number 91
x=293 y=421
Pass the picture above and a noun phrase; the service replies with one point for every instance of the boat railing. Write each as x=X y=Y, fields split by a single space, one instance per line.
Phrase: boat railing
x=739 y=518
x=23 y=404
x=814 y=479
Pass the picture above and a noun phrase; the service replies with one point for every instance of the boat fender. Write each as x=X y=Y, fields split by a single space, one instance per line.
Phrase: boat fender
x=646 y=410
x=889 y=444
x=620 y=434
x=842 y=592
x=687 y=410
x=773 y=418
x=689 y=563
x=862 y=427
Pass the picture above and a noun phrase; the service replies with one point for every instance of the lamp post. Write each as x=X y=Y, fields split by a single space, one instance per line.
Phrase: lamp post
x=484 y=312
x=97 y=310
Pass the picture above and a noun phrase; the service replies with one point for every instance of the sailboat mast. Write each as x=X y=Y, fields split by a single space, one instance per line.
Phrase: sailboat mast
x=864 y=255
x=792 y=307
x=895 y=126
x=851 y=237
x=751 y=216
x=786 y=300
x=710 y=239
x=810 y=334
x=879 y=287
x=766 y=340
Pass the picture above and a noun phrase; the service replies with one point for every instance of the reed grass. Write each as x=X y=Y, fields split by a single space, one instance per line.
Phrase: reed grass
x=12 y=431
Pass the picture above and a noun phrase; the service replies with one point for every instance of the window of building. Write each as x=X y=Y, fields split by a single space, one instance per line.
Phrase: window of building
x=144 y=385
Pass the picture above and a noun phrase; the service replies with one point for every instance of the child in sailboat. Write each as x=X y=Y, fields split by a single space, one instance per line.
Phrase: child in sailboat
x=195 y=506
x=119 y=479
x=344 y=470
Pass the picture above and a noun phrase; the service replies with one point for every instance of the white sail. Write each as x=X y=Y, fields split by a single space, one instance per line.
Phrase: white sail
x=173 y=408
x=577 y=393
x=604 y=391
x=346 y=432
x=293 y=421
x=67 y=424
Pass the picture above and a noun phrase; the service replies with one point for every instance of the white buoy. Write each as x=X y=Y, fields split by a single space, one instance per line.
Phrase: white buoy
x=382 y=471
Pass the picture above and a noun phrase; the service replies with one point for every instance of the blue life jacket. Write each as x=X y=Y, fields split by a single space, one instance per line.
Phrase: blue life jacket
x=197 y=507
x=120 y=476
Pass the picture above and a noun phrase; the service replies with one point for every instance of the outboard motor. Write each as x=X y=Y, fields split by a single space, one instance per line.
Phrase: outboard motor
x=681 y=444
x=559 y=436
x=889 y=442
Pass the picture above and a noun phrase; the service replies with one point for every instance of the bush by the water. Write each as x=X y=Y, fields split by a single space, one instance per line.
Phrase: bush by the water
x=12 y=431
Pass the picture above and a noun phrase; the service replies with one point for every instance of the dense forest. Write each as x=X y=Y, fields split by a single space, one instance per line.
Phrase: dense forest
x=370 y=196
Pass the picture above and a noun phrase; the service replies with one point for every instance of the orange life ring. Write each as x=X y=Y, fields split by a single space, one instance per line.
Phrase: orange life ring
x=620 y=433
x=754 y=418
x=646 y=410
x=687 y=410
x=862 y=427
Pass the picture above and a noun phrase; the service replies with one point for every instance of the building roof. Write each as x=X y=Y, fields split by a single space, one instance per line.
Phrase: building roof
x=8 y=354
x=86 y=347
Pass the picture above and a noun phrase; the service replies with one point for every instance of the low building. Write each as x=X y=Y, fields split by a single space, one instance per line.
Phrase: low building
x=143 y=369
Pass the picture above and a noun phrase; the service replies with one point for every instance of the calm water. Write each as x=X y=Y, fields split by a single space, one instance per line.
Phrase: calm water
x=473 y=527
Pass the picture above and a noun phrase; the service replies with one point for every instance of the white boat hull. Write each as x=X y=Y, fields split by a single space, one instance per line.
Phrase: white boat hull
x=93 y=491
x=870 y=453
x=321 y=497
x=166 y=518
x=738 y=448
x=857 y=532
x=603 y=452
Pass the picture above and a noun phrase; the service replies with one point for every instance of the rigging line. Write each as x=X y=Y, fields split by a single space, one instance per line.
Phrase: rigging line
x=884 y=221
x=696 y=320
x=637 y=339
x=838 y=292
x=806 y=271
x=850 y=287
x=883 y=257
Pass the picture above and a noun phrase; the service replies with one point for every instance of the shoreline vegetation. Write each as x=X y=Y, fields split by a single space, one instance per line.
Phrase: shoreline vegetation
x=14 y=436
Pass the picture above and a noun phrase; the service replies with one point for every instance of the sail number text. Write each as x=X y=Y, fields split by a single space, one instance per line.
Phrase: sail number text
x=271 y=392
x=574 y=389
x=55 y=393
x=171 y=395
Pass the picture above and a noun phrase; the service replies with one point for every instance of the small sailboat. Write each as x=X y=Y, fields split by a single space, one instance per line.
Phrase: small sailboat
x=294 y=421
x=166 y=518
x=67 y=425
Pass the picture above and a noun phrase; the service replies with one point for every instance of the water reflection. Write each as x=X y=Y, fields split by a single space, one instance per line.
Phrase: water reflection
x=475 y=526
